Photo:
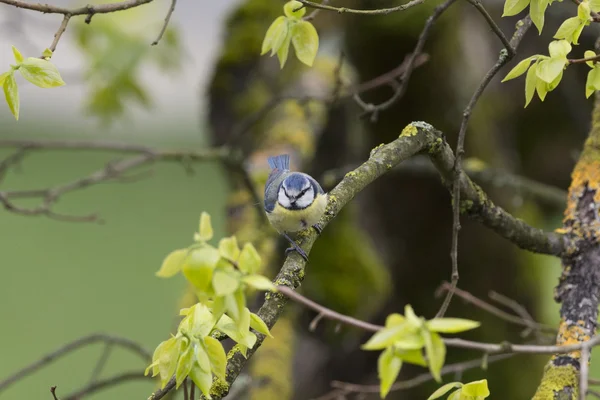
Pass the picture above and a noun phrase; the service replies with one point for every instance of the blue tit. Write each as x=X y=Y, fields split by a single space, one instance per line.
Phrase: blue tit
x=293 y=200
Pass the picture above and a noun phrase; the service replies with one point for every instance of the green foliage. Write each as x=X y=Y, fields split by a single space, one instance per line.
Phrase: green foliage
x=477 y=390
x=220 y=277
x=545 y=73
x=290 y=28
x=406 y=338
x=114 y=58
x=38 y=71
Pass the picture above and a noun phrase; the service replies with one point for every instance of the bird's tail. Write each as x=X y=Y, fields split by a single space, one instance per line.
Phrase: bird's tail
x=281 y=162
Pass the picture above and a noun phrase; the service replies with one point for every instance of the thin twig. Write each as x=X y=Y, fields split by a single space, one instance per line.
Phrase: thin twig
x=496 y=311
x=505 y=56
x=315 y=12
x=107 y=383
x=85 y=10
x=400 y=89
x=584 y=369
x=101 y=362
x=53 y=391
x=166 y=23
x=186 y=395
x=377 y=11
x=192 y=390
x=72 y=346
x=61 y=29
x=419 y=379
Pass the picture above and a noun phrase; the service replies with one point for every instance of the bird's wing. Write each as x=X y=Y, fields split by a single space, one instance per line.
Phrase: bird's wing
x=272 y=188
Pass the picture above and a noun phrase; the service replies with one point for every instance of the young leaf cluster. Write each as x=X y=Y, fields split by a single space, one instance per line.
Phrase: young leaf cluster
x=543 y=72
x=413 y=340
x=220 y=275
x=288 y=29
x=39 y=71
x=477 y=390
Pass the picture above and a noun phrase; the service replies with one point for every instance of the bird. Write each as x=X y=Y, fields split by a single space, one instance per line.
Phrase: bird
x=294 y=201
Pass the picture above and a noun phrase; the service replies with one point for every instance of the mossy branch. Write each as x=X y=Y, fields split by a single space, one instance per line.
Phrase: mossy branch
x=416 y=138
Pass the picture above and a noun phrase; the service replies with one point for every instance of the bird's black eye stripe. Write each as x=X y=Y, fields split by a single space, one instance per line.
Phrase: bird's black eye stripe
x=303 y=192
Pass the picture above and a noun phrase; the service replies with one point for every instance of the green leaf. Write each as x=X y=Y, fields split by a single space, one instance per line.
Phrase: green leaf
x=388 y=368
x=435 y=350
x=444 y=389
x=199 y=266
x=451 y=325
x=530 y=83
x=393 y=320
x=41 y=73
x=249 y=261
x=258 y=282
x=537 y=9
x=519 y=69
x=202 y=358
x=411 y=356
x=559 y=49
x=549 y=69
x=47 y=53
x=259 y=325
x=205 y=230
x=513 y=7
x=593 y=81
x=275 y=35
x=568 y=30
x=240 y=301
x=541 y=88
x=306 y=41
x=282 y=53
x=4 y=76
x=185 y=364
x=587 y=54
x=388 y=336
x=595 y=5
x=203 y=321
x=172 y=263
x=583 y=12
x=456 y=395
x=11 y=93
x=218 y=307
x=478 y=389
x=290 y=6
x=217 y=356
x=224 y=283
x=202 y=379
x=412 y=341
x=228 y=247
x=231 y=306
x=167 y=359
x=17 y=54
x=411 y=317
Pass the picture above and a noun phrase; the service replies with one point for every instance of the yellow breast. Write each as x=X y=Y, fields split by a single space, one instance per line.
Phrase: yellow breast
x=285 y=220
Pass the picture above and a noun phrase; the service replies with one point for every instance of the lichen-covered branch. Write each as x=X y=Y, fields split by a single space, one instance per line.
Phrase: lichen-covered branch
x=579 y=286
x=416 y=138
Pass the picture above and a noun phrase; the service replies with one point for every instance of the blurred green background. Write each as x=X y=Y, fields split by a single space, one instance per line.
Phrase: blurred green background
x=63 y=280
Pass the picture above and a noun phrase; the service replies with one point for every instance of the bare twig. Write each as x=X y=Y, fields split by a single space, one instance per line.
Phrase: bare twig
x=166 y=23
x=53 y=391
x=378 y=11
x=72 y=346
x=584 y=372
x=527 y=322
x=61 y=29
x=419 y=379
x=489 y=348
x=505 y=56
x=85 y=10
x=101 y=362
x=315 y=12
x=192 y=390
x=186 y=395
x=107 y=383
x=400 y=89
x=115 y=171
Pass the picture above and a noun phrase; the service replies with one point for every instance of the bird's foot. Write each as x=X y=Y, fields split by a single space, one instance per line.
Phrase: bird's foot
x=317 y=228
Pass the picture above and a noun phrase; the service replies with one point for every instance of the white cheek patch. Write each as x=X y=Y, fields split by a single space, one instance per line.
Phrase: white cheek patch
x=283 y=199
x=306 y=199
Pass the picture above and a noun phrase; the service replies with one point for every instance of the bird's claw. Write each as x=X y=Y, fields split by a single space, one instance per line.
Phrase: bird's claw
x=297 y=249
x=317 y=228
